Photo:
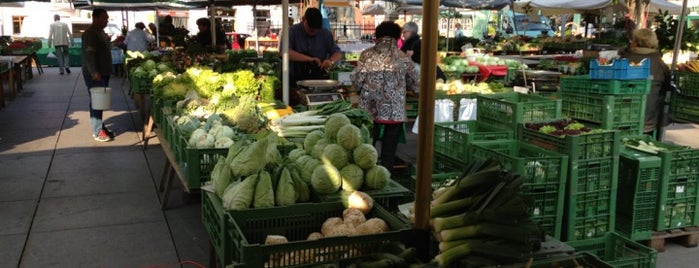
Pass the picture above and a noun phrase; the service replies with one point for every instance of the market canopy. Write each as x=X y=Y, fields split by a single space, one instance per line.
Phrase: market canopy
x=471 y=4
x=551 y=7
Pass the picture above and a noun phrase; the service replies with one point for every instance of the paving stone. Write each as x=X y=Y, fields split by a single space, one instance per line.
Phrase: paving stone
x=22 y=176
x=11 y=249
x=16 y=216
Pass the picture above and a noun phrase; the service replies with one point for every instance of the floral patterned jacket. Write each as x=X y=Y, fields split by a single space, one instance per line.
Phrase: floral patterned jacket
x=382 y=76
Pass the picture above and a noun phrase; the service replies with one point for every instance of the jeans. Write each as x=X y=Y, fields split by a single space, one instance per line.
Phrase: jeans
x=95 y=115
x=63 y=57
x=389 y=143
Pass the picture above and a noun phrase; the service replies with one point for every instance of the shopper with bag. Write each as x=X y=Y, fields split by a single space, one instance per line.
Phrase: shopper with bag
x=97 y=67
x=62 y=39
x=382 y=76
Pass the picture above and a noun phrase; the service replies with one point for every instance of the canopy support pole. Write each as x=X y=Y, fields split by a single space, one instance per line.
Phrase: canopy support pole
x=285 y=53
x=423 y=191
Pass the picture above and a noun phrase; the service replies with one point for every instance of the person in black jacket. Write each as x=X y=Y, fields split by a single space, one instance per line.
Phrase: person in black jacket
x=204 y=35
x=412 y=47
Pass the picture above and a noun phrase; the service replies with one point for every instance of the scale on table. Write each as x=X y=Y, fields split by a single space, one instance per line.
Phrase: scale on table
x=316 y=92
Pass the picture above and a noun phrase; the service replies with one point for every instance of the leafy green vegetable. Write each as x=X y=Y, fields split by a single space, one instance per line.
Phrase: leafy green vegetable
x=286 y=191
x=377 y=177
x=365 y=156
x=326 y=179
x=352 y=177
x=349 y=137
x=264 y=193
x=333 y=125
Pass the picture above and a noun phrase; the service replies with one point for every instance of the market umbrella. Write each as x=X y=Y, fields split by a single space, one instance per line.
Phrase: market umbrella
x=374 y=9
x=471 y=4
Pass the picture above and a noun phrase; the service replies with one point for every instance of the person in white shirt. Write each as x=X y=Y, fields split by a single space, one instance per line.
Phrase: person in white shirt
x=137 y=39
x=61 y=37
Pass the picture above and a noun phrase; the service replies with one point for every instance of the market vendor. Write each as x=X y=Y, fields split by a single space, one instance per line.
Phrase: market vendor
x=644 y=45
x=204 y=35
x=312 y=50
x=412 y=47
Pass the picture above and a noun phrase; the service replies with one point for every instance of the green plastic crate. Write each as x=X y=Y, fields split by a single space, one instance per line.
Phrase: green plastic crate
x=618 y=251
x=582 y=84
x=389 y=197
x=684 y=108
x=591 y=200
x=411 y=107
x=451 y=139
x=602 y=144
x=140 y=85
x=544 y=174
x=212 y=216
x=246 y=231
x=438 y=179
x=581 y=259
x=625 y=113
x=507 y=110
x=198 y=164
x=688 y=83
x=679 y=186
x=637 y=195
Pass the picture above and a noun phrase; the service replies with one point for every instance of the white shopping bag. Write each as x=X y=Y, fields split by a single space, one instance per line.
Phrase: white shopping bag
x=443 y=112
x=467 y=109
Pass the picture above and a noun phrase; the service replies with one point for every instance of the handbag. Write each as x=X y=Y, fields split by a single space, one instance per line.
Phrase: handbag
x=51 y=55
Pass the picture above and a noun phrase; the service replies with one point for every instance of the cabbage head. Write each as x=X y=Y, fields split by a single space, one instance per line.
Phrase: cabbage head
x=366 y=135
x=187 y=124
x=349 y=136
x=377 y=177
x=223 y=143
x=295 y=154
x=326 y=179
x=365 y=156
x=311 y=140
x=205 y=142
x=196 y=134
x=334 y=123
x=150 y=65
x=335 y=155
x=309 y=167
x=317 y=151
x=352 y=177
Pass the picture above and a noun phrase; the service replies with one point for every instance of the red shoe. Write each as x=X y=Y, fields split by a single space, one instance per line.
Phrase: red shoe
x=102 y=136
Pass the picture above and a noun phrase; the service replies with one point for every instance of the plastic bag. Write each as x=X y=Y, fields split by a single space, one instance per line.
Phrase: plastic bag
x=443 y=112
x=467 y=109
x=50 y=55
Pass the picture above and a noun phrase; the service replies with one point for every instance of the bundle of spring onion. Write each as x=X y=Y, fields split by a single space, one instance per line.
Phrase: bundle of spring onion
x=481 y=220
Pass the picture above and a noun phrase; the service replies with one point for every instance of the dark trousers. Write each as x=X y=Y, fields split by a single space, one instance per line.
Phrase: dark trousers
x=389 y=143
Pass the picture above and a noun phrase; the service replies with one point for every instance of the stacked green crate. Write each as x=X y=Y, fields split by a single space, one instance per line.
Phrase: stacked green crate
x=637 y=195
x=593 y=159
x=685 y=108
x=607 y=104
x=505 y=111
x=618 y=251
x=677 y=206
x=544 y=174
x=451 y=140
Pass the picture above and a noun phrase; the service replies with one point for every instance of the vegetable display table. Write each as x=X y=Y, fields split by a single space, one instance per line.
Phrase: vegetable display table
x=170 y=170
x=18 y=65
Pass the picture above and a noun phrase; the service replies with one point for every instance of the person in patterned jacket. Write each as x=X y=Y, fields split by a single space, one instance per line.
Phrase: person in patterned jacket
x=382 y=76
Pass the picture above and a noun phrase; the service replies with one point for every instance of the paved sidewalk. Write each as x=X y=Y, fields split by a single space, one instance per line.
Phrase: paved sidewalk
x=69 y=201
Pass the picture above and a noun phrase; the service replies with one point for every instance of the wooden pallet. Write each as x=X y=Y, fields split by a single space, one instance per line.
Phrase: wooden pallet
x=688 y=237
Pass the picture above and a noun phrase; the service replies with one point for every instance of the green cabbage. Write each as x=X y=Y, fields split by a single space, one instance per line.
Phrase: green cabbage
x=365 y=156
x=311 y=140
x=377 y=177
x=335 y=154
x=285 y=193
x=326 y=179
x=334 y=123
x=317 y=151
x=221 y=176
x=295 y=154
x=187 y=124
x=309 y=167
x=264 y=193
x=349 y=136
x=352 y=177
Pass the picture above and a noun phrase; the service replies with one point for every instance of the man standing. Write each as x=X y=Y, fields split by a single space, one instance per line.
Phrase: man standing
x=60 y=36
x=96 y=67
x=312 y=50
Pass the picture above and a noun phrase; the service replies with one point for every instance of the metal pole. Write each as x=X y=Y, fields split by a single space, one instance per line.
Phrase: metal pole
x=660 y=128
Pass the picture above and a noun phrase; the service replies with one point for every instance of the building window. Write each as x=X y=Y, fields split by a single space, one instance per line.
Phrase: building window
x=17 y=24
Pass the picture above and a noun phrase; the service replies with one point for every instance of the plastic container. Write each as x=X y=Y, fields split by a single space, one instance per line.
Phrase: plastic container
x=101 y=98
x=688 y=83
x=625 y=113
x=637 y=195
x=618 y=251
x=685 y=108
x=620 y=69
x=451 y=139
x=246 y=231
x=591 y=199
x=595 y=145
x=506 y=110
x=544 y=174
x=212 y=217
x=583 y=84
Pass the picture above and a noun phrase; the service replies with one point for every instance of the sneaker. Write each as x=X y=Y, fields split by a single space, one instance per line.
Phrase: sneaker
x=102 y=137
x=109 y=132
x=67 y=70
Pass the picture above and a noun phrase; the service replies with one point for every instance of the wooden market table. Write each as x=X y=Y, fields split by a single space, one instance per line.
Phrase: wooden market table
x=17 y=72
x=170 y=170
